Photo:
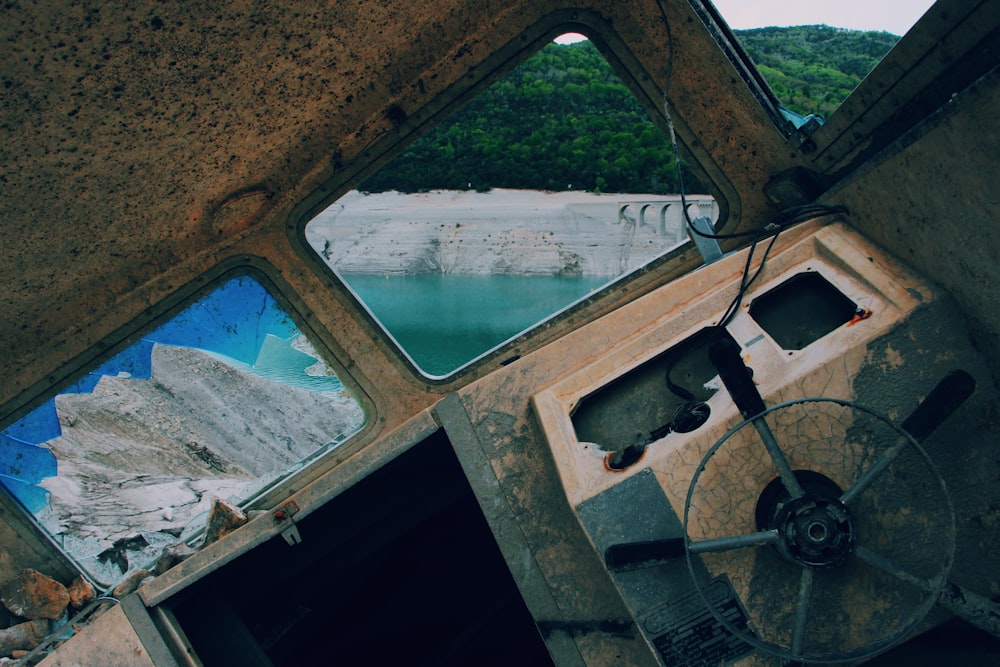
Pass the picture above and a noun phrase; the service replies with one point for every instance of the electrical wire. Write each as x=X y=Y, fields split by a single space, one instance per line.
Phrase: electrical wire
x=746 y=279
x=781 y=221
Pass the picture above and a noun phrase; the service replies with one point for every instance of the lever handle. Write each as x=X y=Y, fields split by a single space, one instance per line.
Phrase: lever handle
x=953 y=389
x=725 y=356
x=633 y=555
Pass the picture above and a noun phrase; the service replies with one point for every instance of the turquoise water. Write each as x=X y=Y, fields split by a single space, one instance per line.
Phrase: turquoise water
x=444 y=321
x=278 y=360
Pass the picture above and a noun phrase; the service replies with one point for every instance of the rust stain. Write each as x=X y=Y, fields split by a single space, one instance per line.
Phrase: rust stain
x=859 y=315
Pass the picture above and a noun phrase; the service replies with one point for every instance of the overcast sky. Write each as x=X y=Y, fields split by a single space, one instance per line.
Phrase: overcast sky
x=895 y=16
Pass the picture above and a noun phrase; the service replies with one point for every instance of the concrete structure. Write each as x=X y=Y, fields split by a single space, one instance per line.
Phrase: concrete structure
x=666 y=214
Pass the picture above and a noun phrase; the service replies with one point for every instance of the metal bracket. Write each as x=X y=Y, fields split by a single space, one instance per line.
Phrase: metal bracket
x=283 y=515
x=707 y=246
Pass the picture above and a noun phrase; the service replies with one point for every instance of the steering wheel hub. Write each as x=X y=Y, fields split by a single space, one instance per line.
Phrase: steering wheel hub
x=815 y=531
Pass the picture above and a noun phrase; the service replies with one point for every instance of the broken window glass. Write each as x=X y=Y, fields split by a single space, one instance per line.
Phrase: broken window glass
x=225 y=400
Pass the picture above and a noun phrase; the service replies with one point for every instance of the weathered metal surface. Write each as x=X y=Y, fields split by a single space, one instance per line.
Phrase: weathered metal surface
x=113 y=640
x=938 y=216
x=148 y=144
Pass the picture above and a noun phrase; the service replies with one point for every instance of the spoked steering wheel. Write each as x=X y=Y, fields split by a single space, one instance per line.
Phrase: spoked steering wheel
x=839 y=539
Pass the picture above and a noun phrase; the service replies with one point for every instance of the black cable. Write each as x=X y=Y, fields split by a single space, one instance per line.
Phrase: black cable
x=746 y=280
x=785 y=218
x=781 y=221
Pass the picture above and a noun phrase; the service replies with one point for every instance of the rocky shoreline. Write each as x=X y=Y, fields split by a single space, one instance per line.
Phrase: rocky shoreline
x=500 y=232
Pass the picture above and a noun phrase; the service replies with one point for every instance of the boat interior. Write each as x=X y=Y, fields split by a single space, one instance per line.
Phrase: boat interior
x=775 y=444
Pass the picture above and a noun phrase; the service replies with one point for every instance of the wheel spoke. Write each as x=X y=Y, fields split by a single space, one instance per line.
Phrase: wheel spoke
x=868 y=476
x=946 y=396
x=727 y=360
x=778 y=458
x=802 y=611
x=733 y=542
x=634 y=555
x=976 y=609
x=878 y=561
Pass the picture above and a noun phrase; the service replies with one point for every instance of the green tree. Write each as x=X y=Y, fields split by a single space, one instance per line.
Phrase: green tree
x=563 y=117
x=812 y=69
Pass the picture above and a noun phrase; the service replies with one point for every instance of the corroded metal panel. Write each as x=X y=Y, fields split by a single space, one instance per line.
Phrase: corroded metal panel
x=113 y=638
x=903 y=339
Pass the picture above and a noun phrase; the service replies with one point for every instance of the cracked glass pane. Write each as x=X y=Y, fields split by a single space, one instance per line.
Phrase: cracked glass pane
x=226 y=399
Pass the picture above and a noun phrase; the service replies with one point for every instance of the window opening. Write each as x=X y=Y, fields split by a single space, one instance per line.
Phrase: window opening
x=226 y=399
x=551 y=184
x=813 y=55
x=403 y=563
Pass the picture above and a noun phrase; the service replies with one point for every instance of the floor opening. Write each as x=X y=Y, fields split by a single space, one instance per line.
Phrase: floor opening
x=400 y=569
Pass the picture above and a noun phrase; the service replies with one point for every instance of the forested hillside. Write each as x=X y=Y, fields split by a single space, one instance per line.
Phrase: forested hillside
x=813 y=68
x=563 y=120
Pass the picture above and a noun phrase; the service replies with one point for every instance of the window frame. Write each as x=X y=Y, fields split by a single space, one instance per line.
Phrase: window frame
x=269 y=495
x=649 y=96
